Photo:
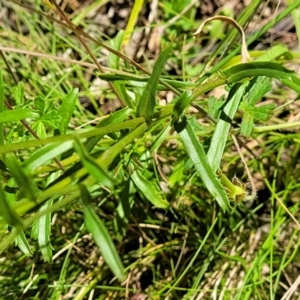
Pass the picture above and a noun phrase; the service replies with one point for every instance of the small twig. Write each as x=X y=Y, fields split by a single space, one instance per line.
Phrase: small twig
x=78 y=35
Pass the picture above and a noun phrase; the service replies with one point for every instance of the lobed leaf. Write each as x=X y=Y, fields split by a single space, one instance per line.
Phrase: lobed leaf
x=259 y=87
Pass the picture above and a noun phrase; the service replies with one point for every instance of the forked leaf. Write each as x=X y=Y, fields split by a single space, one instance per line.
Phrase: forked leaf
x=263 y=112
x=101 y=235
x=247 y=124
x=147 y=101
x=259 y=88
x=149 y=190
x=198 y=156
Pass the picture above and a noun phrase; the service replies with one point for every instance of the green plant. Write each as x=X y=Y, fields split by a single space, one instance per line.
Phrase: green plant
x=109 y=174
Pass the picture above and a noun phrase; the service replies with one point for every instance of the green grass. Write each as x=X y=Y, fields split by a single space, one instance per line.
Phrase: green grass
x=124 y=195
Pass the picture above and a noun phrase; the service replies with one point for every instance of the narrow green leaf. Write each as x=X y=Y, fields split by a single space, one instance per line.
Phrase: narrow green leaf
x=177 y=173
x=25 y=184
x=149 y=190
x=45 y=154
x=116 y=43
x=115 y=118
x=258 y=65
x=23 y=244
x=134 y=14
x=17 y=115
x=293 y=82
x=66 y=110
x=197 y=155
x=7 y=212
x=147 y=101
x=123 y=210
x=134 y=79
x=92 y=166
x=67 y=137
x=44 y=231
x=160 y=137
x=253 y=69
x=182 y=102
x=275 y=52
x=1 y=107
x=220 y=135
x=101 y=235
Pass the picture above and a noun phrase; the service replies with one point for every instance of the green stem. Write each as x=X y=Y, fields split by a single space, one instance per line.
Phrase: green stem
x=276 y=127
x=68 y=137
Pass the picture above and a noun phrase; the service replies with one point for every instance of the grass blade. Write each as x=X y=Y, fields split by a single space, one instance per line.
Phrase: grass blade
x=137 y=6
x=101 y=235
